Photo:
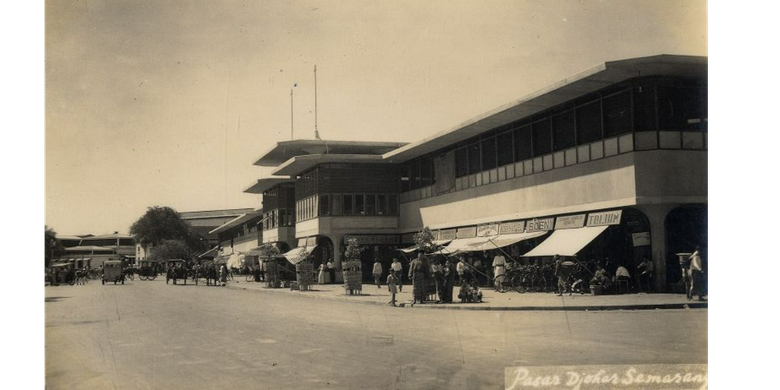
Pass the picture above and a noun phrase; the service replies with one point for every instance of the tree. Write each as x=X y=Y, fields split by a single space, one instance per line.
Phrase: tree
x=171 y=249
x=53 y=246
x=424 y=240
x=159 y=224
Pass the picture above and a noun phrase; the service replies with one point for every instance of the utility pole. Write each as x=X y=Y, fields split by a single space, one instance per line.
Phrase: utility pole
x=291 y=114
x=316 y=132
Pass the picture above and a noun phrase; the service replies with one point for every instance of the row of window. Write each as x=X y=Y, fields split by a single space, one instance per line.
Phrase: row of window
x=643 y=104
x=281 y=217
x=347 y=204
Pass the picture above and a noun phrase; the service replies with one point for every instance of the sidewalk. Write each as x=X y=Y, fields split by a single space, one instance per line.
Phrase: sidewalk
x=492 y=300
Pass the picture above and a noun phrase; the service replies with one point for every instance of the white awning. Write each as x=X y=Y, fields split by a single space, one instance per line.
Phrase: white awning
x=463 y=245
x=441 y=242
x=294 y=256
x=409 y=249
x=567 y=242
x=496 y=242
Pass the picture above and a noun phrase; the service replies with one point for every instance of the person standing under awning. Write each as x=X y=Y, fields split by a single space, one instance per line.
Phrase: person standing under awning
x=499 y=267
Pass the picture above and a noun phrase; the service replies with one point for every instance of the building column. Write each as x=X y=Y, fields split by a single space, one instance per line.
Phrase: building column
x=656 y=213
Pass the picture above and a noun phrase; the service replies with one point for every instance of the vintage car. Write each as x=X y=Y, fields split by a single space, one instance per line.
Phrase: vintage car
x=113 y=271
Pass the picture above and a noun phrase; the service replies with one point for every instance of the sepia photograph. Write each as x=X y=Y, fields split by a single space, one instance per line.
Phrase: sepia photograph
x=376 y=194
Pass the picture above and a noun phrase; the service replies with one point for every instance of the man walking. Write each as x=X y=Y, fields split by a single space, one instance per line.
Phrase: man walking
x=397 y=269
x=697 y=275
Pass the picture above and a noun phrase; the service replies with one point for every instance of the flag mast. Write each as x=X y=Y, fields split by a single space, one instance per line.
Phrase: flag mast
x=316 y=132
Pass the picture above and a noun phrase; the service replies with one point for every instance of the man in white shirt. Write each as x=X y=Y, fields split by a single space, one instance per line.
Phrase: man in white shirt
x=331 y=272
x=697 y=275
x=397 y=269
x=499 y=269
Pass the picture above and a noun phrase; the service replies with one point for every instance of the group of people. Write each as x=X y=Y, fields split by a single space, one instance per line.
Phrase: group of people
x=328 y=269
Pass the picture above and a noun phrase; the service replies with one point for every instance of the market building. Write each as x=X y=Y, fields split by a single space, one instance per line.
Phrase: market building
x=609 y=164
x=237 y=239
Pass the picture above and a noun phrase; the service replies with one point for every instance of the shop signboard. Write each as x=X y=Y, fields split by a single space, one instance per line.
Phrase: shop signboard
x=511 y=227
x=311 y=241
x=641 y=238
x=490 y=229
x=570 y=222
x=539 y=225
x=605 y=218
x=435 y=235
x=375 y=239
x=467 y=232
x=448 y=234
x=301 y=242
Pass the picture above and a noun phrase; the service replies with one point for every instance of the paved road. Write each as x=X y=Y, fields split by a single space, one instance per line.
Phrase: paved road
x=149 y=335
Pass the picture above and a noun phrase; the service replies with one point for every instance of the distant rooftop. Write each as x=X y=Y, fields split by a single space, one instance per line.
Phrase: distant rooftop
x=286 y=150
x=236 y=222
x=185 y=215
x=266 y=184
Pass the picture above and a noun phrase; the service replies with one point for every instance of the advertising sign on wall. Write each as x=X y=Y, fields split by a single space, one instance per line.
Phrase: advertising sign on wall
x=539 y=225
x=605 y=218
x=511 y=227
x=570 y=222
x=641 y=238
x=490 y=229
x=448 y=234
x=467 y=232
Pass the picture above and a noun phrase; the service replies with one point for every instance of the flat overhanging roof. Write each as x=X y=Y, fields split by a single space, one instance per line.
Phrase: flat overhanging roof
x=235 y=222
x=286 y=150
x=578 y=85
x=300 y=164
x=266 y=184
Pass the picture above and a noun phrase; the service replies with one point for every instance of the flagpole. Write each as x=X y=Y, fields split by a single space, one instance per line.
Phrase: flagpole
x=316 y=132
x=291 y=114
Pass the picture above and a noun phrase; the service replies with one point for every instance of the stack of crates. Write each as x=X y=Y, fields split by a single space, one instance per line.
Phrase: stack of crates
x=353 y=277
x=271 y=270
x=304 y=272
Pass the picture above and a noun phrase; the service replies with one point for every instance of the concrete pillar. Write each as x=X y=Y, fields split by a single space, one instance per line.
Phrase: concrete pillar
x=656 y=214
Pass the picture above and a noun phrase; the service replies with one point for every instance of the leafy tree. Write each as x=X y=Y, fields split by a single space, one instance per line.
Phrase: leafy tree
x=53 y=246
x=171 y=249
x=160 y=224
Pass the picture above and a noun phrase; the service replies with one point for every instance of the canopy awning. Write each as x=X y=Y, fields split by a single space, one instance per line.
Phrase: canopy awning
x=409 y=249
x=463 y=245
x=496 y=242
x=295 y=256
x=567 y=242
x=259 y=250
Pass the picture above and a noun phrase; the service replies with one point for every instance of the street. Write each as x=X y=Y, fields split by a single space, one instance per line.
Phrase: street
x=149 y=335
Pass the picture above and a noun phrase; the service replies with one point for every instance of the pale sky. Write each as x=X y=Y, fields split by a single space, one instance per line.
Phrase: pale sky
x=170 y=103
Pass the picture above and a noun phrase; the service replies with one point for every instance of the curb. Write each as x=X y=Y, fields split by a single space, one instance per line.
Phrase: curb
x=432 y=306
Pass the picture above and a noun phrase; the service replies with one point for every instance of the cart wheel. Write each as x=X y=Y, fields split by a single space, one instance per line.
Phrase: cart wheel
x=151 y=277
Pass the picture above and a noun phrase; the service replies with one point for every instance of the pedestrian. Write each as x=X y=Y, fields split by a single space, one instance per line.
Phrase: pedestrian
x=460 y=268
x=697 y=275
x=449 y=281
x=418 y=273
x=479 y=268
x=377 y=272
x=438 y=277
x=321 y=275
x=397 y=269
x=562 y=272
x=685 y=265
x=223 y=274
x=332 y=272
x=499 y=269
x=646 y=269
x=392 y=288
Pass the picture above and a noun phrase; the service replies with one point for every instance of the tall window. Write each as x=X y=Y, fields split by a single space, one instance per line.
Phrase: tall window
x=489 y=153
x=381 y=204
x=360 y=205
x=324 y=205
x=348 y=207
x=542 y=137
x=589 y=122
x=617 y=113
x=524 y=147
x=475 y=165
x=563 y=130
x=461 y=162
x=370 y=204
x=505 y=146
